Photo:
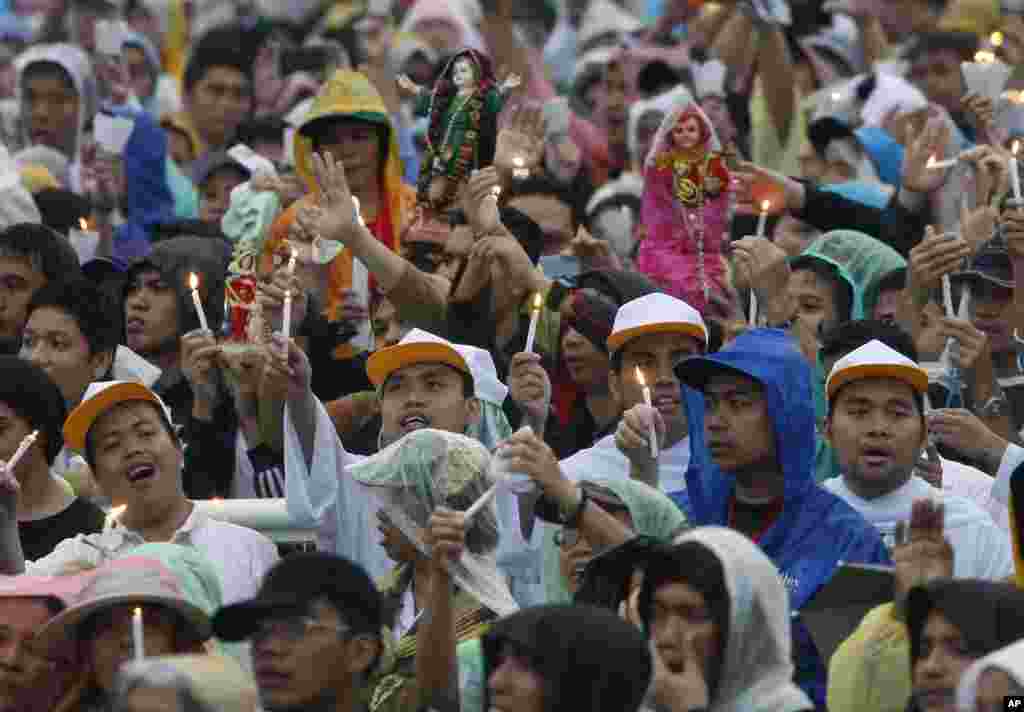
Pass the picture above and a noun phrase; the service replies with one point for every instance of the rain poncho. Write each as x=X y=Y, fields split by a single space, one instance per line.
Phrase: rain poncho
x=654 y=515
x=455 y=13
x=861 y=261
x=348 y=95
x=1009 y=660
x=76 y=63
x=428 y=469
x=684 y=210
x=815 y=530
x=149 y=201
x=756 y=669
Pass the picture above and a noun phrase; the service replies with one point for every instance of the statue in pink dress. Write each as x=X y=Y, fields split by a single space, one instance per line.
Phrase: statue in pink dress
x=685 y=208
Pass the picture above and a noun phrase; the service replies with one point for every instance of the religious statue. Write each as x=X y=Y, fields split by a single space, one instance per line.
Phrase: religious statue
x=463 y=109
x=685 y=207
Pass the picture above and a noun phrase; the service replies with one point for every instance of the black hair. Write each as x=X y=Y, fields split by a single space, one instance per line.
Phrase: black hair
x=892 y=281
x=315 y=131
x=575 y=194
x=61 y=210
x=47 y=69
x=963 y=44
x=220 y=47
x=30 y=393
x=657 y=77
x=844 y=338
x=97 y=316
x=48 y=252
x=468 y=387
x=841 y=289
x=270 y=130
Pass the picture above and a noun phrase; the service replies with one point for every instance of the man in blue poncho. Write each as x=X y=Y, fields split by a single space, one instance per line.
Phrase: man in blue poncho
x=752 y=437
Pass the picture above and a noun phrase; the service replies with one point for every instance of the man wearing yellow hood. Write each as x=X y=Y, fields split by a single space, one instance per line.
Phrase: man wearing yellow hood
x=348 y=119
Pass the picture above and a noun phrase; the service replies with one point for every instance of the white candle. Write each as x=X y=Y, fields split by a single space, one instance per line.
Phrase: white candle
x=291 y=264
x=112 y=516
x=520 y=172
x=762 y=221
x=647 y=400
x=358 y=211
x=1014 y=178
x=193 y=282
x=23 y=447
x=286 y=326
x=947 y=297
x=964 y=312
x=138 y=643
x=752 y=318
x=939 y=165
x=531 y=335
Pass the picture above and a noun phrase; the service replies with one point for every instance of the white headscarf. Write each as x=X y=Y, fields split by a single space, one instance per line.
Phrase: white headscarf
x=757 y=670
x=1009 y=660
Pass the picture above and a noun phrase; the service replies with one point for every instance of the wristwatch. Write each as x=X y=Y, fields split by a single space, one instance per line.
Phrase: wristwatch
x=570 y=516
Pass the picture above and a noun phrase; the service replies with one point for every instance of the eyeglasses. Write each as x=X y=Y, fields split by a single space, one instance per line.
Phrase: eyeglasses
x=292 y=629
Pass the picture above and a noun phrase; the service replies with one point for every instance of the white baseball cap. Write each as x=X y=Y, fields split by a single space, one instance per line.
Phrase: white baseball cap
x=100 y=397
x=418 y=346
x=656 y=313
x=876 y=360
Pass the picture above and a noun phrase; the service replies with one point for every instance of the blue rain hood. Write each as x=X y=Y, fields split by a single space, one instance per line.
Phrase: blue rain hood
x=149 y=199
x=884 y=151
x=816 y=530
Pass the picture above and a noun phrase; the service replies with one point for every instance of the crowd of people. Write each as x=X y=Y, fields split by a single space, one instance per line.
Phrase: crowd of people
x=609 y=355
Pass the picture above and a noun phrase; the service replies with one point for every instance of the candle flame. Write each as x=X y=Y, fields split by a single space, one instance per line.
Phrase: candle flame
x=115 y=513
x=496 y=191
x=538 y=302
x=836 y=96
x=295 y=254
x=640 y=377
x=1015 y=148
x=193 y=281
x=518 y=162
x=931 y=162
x=83 y=223
x=138 y=612
x=984 y=57
x=996 y=39
x=766 y=205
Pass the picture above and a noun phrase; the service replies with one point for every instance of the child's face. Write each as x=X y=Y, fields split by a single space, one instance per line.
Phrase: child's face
x=992 y=307
x=50 y=111
x=215 y=194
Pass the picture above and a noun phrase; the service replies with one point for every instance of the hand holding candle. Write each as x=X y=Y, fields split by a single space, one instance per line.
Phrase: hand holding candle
x=23 y=447
x=286 y=325
x=531 y=335
x=762 y=220
x=193 y=283
x=291 y=263
x=647 y=399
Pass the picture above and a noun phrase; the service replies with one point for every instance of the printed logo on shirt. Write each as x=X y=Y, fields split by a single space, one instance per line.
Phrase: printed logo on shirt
x=791 y=582
x=269 y=483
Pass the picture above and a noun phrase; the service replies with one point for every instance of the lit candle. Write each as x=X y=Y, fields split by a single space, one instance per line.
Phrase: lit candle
x=193 y=282
x=752 y=317
x=286 y=326
x=647 y=400
x=519 y=171
x=23 y=447
x=935 y=164
x=138 y=644
x=996 y=39
x=1014 y=178
x=762 y=221
x=357 y=208
x=534 y=318
x=112 y=516
x=984 y=57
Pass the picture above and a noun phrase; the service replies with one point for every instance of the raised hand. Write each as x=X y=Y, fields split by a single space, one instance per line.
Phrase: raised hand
x=921 y=553
x=408 y=86
x=530 y=388
x=286 y=369
x=933 y=141
x=934 y=256
x=520 y=143
x=200 y=364
x=633 y=435
x=446 y=535
x=512 y=81
x=966 y=433
x=333 y=218
x=980 y=112
x=592 y=252
x=270 y=296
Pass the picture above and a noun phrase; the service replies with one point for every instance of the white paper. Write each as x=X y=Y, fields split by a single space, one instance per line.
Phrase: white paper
x=110 y=36
x=112 y=132
x=85 y=244
x=987 y=79
x=254 y=162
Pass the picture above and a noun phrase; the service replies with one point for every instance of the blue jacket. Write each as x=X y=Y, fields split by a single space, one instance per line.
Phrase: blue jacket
x=816 y=529
x=149 y=198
